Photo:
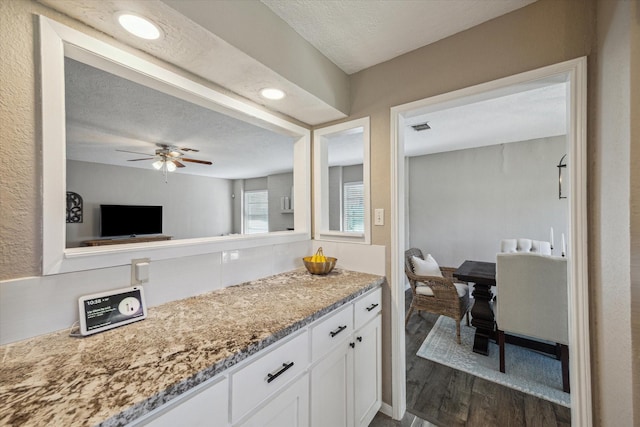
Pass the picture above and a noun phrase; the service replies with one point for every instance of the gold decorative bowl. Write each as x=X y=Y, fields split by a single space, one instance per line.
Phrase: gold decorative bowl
x=319 y=267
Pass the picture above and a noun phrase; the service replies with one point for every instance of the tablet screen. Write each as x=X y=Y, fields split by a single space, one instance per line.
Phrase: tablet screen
x=99 y=312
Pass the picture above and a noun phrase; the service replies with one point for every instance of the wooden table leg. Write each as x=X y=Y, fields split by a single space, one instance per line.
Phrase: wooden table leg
x=483 y=318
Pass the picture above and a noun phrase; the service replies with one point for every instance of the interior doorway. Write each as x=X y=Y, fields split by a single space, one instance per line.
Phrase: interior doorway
x=573 y=75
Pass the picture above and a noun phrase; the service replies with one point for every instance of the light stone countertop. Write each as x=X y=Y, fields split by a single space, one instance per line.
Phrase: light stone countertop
x=114 y=377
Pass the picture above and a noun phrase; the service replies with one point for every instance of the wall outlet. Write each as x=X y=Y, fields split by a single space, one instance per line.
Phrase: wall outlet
x=140 y=270
x=378 y=217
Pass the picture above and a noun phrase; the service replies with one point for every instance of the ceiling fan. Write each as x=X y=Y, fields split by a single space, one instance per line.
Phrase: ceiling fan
x=168 y=157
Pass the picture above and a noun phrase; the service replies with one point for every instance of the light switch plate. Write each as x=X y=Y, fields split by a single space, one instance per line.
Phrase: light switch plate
x=379 y=217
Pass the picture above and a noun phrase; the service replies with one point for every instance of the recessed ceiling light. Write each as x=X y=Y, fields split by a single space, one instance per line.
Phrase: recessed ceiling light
x=138 y=25
x=272 y=93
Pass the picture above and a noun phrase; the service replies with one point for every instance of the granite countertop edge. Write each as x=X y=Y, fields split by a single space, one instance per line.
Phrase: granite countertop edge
x=166 y=396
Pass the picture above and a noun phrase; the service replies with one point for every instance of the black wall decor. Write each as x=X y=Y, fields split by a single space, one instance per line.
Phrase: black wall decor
x=74 y=207
x=560 y=167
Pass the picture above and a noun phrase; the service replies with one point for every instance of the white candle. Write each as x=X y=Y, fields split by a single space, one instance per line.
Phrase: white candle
x=564 y=247
x=551 y=240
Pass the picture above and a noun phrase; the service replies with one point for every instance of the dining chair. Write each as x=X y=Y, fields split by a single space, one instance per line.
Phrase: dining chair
x=533 y=302
x=435 y=292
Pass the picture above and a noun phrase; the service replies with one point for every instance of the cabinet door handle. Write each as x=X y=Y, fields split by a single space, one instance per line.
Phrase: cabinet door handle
x=371 y=307
x=337 y=331
x=352 y=344
x=280 y=371
x=359 y=339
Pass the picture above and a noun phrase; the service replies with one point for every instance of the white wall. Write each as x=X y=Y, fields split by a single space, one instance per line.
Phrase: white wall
x=462 y=203
x=52 y=300
x=193 y=206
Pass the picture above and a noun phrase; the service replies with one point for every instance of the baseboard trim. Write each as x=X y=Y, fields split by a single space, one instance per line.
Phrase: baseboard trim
x=386 y=409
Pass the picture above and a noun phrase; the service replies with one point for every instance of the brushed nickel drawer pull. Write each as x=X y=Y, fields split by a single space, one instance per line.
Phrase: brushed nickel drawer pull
x=282 y=370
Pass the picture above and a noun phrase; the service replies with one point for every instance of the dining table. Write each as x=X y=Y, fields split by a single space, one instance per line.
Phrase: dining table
x=483 y=275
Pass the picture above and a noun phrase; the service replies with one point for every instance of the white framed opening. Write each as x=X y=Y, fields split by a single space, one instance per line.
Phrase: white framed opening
x=575 y=74
x=58 y=41
x=341 y=162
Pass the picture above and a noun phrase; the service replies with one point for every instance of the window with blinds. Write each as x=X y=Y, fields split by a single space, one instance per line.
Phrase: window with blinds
x=353 y=207
x=256 y=211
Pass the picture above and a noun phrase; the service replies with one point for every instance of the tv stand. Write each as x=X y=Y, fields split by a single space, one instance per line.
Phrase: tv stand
x=144 y=239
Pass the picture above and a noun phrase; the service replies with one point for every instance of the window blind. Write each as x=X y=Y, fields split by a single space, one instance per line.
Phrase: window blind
x=353 y=207
x=256 y=211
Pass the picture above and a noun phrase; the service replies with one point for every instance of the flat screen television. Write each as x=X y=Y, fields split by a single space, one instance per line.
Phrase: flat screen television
x=130 y=220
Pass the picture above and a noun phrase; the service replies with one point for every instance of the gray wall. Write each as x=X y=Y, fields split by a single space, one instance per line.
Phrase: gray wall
x=238 y=188
x=193 y=206
x=462 y=203
x=279 y=185
x=339 y=175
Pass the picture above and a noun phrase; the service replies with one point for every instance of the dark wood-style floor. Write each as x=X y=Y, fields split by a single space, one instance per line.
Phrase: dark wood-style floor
x=447 y=397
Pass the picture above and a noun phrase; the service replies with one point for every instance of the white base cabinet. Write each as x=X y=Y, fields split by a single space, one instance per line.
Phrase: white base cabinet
x=332 y=388
x=367 y=367
x=271 y=370
x=327 y=374
x=346 y=382
x=203 y=406
x=288 y=409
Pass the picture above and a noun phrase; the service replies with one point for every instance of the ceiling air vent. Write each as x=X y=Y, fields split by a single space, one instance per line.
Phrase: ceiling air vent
x=421 y=126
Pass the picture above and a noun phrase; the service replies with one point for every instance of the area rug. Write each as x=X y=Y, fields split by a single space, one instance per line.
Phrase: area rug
x=527 y=370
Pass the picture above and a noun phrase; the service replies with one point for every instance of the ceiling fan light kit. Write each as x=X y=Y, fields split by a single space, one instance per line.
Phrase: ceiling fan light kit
x=168 y=158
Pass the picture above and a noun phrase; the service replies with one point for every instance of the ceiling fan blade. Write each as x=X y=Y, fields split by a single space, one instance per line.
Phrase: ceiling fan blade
x=202 y=162
x=135 y=160
x=135 y=152
x=178 y=164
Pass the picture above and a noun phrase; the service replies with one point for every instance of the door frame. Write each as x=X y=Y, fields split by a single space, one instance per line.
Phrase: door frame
x=575 y=73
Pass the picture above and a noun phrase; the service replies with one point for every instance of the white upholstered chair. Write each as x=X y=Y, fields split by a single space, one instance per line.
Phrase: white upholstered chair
x=525 y=246
x=532 y=297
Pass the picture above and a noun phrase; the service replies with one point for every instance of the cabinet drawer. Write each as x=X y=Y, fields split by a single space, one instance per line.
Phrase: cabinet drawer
x=287 y=409
x=266 y=375
x=367 y=307
x=331 y=331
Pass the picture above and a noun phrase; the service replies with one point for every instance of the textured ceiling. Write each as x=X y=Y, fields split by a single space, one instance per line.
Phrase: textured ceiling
x=201 y=52
x=106 y=113
x=358 y=34
x=354 y=34
x=524 y=114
